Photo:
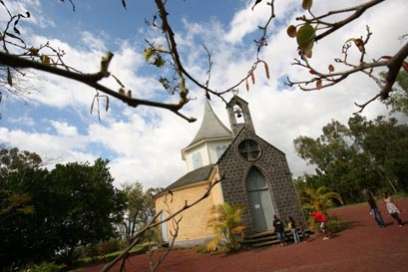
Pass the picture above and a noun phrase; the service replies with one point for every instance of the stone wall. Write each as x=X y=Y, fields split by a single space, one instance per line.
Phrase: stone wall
x=273 y=165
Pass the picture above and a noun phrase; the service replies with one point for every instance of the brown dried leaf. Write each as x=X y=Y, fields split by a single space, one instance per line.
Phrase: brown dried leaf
x=291 y=30
x=266 y=70
x=405 y=66
x=360 y=44
x=307 y=4
x=45 y=59
x=107 y=103
x=33 y=51
x=313 y=72
x=319 y=84
x=9 y=78
x=331 y=68
x=253 y=77
x=247 y=85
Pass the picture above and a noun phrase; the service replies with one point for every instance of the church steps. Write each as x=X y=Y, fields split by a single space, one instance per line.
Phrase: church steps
x=268 y=238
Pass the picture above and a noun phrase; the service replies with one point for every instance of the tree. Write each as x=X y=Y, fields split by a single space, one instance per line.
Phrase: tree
x=88 y=204
x=140 y=208
x=11 y=161
x=71 y=205
x=363 y=155
x=399 y=98
x=17 y=55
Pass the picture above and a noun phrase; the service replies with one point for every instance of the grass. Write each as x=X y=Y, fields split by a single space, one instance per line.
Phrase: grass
x=138 y=249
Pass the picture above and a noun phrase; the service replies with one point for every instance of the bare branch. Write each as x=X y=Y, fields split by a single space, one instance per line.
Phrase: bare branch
x=357 y=11
x=323 y=80
x=90 y=80
x=154 y=223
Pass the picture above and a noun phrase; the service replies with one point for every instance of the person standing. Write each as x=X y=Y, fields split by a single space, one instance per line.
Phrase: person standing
x=279 y=229
x=320 y=218
x=392 y=209
x=374 y=211
x=292 y=228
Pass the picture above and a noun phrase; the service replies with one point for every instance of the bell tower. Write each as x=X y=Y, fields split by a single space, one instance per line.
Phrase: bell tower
x=239 y=115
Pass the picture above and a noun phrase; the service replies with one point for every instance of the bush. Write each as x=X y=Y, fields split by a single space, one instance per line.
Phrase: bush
x=336 y=225
x=228 y=228
x=100 y=249
x=110 y=246
x=44 y=267
x=85 y=261
x=333 y=225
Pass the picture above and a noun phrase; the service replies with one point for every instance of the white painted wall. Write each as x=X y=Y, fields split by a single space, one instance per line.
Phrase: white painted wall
x=207 y=151
x=200 y=149
x=212 y=149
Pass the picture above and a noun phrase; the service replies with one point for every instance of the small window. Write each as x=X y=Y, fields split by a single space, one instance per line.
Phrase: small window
x=220 y=149
x=197 y=161
x=249 y=149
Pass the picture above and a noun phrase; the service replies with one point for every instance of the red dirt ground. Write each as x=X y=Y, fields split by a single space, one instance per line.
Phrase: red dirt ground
x=363 y=247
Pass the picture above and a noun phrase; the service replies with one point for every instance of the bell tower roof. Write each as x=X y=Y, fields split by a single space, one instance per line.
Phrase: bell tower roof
x=211 y=127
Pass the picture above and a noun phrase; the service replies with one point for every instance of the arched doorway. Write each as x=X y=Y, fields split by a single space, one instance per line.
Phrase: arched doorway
x=260 y=201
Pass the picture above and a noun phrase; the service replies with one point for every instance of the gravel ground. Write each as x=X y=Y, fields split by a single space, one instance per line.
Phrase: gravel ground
x=363 y=247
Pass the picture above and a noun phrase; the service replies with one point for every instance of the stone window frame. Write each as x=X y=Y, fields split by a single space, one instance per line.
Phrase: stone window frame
x=246 y=158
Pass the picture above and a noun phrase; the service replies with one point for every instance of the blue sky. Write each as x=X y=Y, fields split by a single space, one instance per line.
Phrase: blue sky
x=144 y=144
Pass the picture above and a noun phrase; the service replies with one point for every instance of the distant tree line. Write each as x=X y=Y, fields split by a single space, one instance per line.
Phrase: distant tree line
x=363 y=154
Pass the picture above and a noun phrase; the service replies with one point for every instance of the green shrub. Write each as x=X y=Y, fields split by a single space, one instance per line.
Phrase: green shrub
x=100 y=249
x=85 y=261
x=44 y=267
x=228 y=228
x=335 y=225
x=110 y=246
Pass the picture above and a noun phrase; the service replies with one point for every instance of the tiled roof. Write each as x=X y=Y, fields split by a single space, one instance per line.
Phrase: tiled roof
x=192 y=177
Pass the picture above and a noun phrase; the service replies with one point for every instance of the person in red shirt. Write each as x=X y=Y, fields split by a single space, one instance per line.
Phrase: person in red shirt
x=321 y=218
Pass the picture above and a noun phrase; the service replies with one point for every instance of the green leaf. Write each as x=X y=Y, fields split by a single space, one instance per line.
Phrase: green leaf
x=304 y=38
x=307 y=4
x=159 y=61
x=148 y=53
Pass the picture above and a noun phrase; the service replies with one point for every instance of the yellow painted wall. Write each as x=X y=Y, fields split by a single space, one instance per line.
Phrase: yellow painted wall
x=194 y=223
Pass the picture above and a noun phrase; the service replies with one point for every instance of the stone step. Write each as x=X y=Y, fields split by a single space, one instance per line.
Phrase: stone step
x=267 y=243
x=260 y=239
x=261 y=234
x=268 y=238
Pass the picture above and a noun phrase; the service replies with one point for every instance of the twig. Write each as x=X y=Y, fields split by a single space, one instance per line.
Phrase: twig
x=90 y=80
x=154 y=223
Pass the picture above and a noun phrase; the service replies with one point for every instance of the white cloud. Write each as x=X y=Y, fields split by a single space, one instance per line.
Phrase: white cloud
x=247 y=20
x=22 y=6
x=147 y=142
x=64 y=129
x=52 y=148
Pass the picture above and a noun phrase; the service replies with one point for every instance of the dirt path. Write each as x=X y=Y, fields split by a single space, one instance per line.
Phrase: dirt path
x=364 y=247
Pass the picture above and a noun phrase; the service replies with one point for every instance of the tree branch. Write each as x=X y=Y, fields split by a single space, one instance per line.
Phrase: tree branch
x=155 y=223
x=90 y=80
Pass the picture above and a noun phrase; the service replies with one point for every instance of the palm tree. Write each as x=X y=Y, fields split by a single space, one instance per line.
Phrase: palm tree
x=319 y=199
x=227 y=226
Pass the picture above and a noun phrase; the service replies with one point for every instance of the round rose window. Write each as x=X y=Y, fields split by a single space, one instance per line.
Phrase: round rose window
x=249 y=149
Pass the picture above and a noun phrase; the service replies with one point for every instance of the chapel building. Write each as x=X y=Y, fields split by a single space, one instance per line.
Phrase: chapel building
x=255 y=175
